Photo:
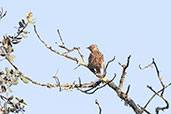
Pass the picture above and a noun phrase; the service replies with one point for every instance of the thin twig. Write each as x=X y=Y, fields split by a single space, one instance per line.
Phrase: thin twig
x=105 y=69
x=87 y=91
x=143 y=109
x=148 y=102
x=142 y=68
x=127 y=89
x=79 y=79
x=158 y=75
x=156 y=93
x=69 y=50
x=124 y=72
x=79 y=51
x=2 y=13
x=100 y=108
x=57 y=52
x=58 y=82
x=159 y=108
x=60 y=36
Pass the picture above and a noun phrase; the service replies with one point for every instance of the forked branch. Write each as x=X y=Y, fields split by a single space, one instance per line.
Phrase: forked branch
x=124 y=72
x=63 y=53
x=156 y=93
x=161 y=96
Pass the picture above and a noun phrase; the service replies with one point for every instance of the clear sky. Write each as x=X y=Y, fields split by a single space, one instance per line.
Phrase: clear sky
x=118 y=27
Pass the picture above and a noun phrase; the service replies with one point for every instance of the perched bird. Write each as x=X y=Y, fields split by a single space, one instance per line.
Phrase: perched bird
x=95 y=60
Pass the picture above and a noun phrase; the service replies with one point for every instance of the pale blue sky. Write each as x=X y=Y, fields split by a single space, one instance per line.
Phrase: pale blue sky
x=118 y=27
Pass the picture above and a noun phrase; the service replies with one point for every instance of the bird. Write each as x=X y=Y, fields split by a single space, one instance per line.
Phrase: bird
x=95 y=60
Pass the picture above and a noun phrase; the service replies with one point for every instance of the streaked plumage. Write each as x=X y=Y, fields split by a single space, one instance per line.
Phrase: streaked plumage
x=95 y=60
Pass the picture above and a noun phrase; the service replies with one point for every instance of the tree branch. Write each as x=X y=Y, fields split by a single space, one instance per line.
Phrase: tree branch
x=124 y=72
x=158 y=75
x=161 y=96
x=60 y=53
x=2 y=13
x=95 y=85
x=123 y=96
x=156 y=93
x=100 y=108
x=105 y=69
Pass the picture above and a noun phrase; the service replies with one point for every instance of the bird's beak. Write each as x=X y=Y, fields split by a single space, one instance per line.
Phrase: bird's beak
x=87 y=47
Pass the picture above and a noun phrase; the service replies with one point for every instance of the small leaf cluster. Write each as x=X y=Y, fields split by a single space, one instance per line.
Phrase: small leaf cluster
x=8 y=41
x=10 y=77
x=8 y=104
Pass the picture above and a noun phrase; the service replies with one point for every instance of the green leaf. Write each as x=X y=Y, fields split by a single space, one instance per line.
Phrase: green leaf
x=24 y=80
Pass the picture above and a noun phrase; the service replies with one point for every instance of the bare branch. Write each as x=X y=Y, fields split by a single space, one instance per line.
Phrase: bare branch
x=155 y=95
x=161 y=96
x=2 y=13
x=123 y=96
x=100 y=108
x=157 y=70
x=79 y=51
x=143 y=109
x=105 y=69
x=95 y=85
x=158 y=74
x=49 y=85
x=127 y=89
x=60 y=53
x=142 y=68
x=58 y=82
x=124 y=72
x=69 y=50
x=60 y=36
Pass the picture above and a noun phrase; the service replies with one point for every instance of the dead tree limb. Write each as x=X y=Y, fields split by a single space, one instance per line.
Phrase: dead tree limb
x=161 y=96
x=100 y=108
x=60 y=53
x=124 y=72
x=159 y=77
x=95 y=85
x=123 y=96
x=156 y=93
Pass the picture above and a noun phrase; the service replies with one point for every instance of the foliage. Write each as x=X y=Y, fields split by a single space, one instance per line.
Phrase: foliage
x=10 y=77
